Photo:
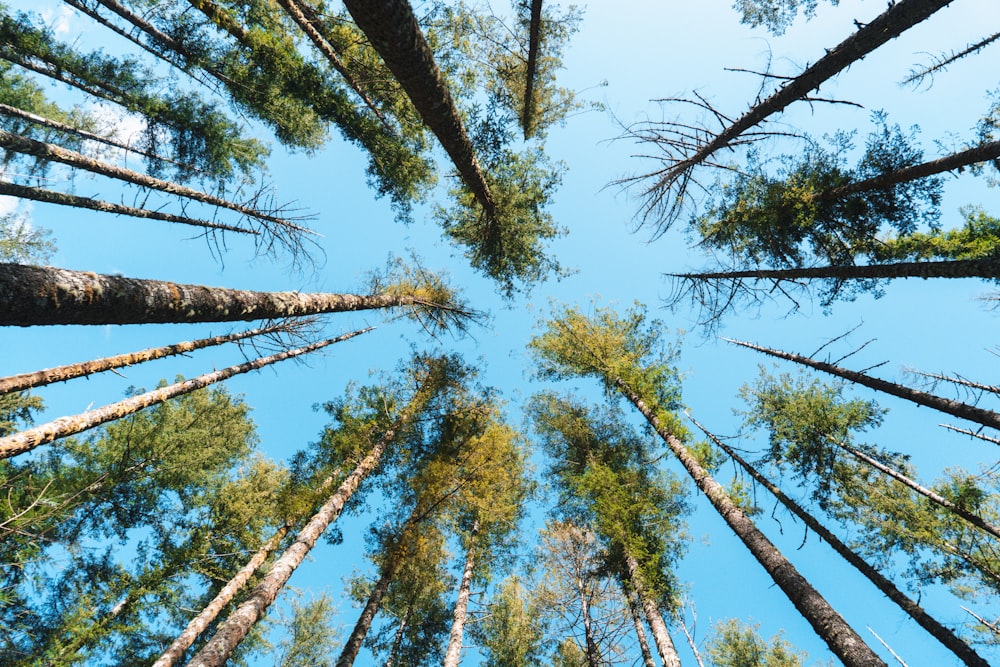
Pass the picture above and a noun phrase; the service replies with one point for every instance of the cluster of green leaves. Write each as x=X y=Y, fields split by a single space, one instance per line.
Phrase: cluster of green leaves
x=512 y=633
x=148 y=516
x=199 y=133
x=621 y=351
x=737 y=644
x=978 y=238
x=775 y=15
x=806 y=418
x=789 y=219
x=601 y=470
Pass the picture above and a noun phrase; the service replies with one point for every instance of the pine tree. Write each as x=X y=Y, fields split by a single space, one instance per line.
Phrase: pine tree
x=625 y=354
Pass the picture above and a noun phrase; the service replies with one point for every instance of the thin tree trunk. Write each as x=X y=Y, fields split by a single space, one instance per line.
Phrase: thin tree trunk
x=935 y=498
x=534 y=37
x=640 y=633
x=388 y=572
x=454 y=652
x=304 y=17
x=593 y=655
x=845 y=643
x=33 y=295
x=218 y=649
x=394 y=33
x=899 y=17
x=398 y=639
x=28 y=439
x=41 y=378
x=661 y=636
x=199 y=623
x=45 y=151
x=986 y=267
x=964 y=652
x=981 y=153
x=14 y=112
x=955 y=408
x=64 y=199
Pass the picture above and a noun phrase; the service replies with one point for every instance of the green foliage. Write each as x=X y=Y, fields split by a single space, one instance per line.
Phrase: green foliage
x=198 y=133
x=508 y=247
x=511 y=634
x=623 y=352
x=17 y=411
x=978 y=238
x=176 y=486
x=311 y=639
x=788 y=220
x=737 y=644
x=23 y=243
x=775 y=15
x=605 y=482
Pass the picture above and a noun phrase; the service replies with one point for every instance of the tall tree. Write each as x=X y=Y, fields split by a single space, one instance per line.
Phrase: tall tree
x=665 y=195
x=602 y=470
x=956 y=408
x=960 y=648
x=511 y=632
x=628 y=357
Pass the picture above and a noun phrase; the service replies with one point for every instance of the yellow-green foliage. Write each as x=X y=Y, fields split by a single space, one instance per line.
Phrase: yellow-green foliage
x=978 y=238
x=623 y=352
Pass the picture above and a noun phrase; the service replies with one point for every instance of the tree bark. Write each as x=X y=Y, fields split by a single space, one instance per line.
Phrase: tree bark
x=392 y=29
x=398 y=639
x=935 y=498
x=41 y=378
x=199 y=623
x=28 y=439
x=534 y=37
x=593 y=655
x=217 y=651
x=986 y=267
x=304 y=17
x=845 y=643
x=64 y=199
x=14 y=112
x=964 y=652
x=640 y=633
x=955 y=408
x=45 y=151
x=32 y=295
x=664 y=645
x=981 y=153
x=454 y=652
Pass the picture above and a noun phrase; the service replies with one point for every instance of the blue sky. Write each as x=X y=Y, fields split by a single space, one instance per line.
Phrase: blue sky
x=644 y=51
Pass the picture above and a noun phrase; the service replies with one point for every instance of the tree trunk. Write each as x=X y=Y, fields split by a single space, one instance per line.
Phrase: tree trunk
x=33 y=295
x=217 y=651
x=534 y=37
x=64 y=199
x=955 y=408
x=394 y=33
x=845 y=643
x=914 y=610
x=199 y=623
x=593 y=655
x=454 y=652
x=14 y=112
x=640 y=633
x=981 y=153
x=28 y=439
x=664 y=645
x=398 y=639
x=41 y=378
x=304 y=17
x=935 y=498
x=986 y=267
x=899 y=17
x=44 y=151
